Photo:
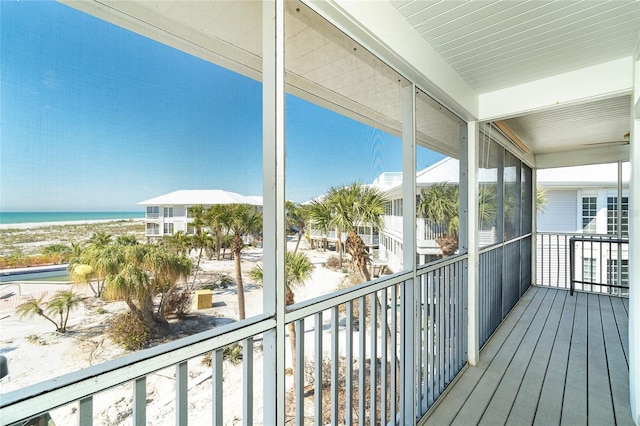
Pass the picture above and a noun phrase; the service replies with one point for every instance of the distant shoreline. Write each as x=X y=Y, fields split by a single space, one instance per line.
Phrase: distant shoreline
x=27 y=225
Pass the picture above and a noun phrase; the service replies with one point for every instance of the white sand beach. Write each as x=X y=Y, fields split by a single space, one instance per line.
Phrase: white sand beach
x=36 y=353
x=29 y=225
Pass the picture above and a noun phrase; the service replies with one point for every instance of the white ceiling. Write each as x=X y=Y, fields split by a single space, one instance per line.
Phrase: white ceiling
x=494 y=45
x=497 y=44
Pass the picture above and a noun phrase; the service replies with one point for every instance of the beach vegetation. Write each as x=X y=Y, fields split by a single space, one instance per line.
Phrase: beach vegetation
x=60 y=305
x=298 y=269
x=352 y=206
x=440 y=203
x=129 y=331
x=296 y=217
x=242 y=219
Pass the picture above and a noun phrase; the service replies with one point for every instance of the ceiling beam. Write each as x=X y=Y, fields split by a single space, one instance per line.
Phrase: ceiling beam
x=608 y=154
x=613 y=78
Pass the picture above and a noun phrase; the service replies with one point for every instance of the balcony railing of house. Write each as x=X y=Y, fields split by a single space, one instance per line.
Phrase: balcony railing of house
x=378 y=353
x=598 y=259
x=152 y=216
x=368 y=239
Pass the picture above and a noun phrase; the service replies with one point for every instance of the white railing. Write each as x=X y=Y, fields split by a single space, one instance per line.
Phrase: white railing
x=359 y=348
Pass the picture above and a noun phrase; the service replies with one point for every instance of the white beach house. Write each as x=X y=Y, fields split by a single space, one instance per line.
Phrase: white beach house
x=169 y=213
x=507 y=88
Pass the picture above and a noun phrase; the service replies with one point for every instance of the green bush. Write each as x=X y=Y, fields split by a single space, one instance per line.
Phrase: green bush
x=231 y=353
x=129 y=331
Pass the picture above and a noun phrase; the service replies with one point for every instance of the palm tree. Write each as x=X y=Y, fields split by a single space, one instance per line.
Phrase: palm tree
x=180 y=243
x=198 y=215
x=352 y=206
x=319 y=215
x=440 y=203
x=62 y=303
x=217 y=218
x=242 y=219
x=34 y=307
x=143 y=271
x=126 y=240
x=100 y=238
x=167 y=270
x=295 y=217
x=298 y=269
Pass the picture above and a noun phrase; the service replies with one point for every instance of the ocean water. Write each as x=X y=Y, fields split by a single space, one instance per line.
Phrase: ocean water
x=34 y=217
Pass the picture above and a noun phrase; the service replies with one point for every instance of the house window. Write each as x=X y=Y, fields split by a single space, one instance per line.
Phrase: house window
x=588 y=269
x=153 y=212
x=589 y=212
x=153 y=229
x=189 y=215
x=612 y=272
x=191 y=230
x=168 y=228
x=612 y=216
x=168 y=212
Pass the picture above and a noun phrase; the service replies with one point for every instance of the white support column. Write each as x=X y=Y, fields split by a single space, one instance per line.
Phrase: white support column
x=408 y=337
x=473 y=336
x=634 y=247
x=274 y=242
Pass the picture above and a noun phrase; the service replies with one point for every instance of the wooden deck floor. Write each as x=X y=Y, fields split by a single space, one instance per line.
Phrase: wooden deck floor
x=557 y=359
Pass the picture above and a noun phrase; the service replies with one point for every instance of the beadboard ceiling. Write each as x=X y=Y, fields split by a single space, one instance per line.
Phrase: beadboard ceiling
x=497 y=44
x=493 y=45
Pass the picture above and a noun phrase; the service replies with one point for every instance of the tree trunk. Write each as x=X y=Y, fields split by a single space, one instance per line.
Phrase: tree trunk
x=289 y=299
x=236 y=247
x=361 y=260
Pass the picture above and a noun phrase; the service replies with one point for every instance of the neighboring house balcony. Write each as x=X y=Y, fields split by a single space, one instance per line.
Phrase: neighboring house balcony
x=370 y=237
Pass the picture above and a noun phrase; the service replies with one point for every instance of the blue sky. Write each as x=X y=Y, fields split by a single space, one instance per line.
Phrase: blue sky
x=96 y=118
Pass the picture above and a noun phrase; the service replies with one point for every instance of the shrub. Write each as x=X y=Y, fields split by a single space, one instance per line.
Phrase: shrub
x=231 y=353
x=224 y=281
x=129 y=331
x=178 y=304
x=333 y=262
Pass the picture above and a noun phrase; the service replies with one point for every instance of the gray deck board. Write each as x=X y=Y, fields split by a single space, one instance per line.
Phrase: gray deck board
x=526 y=402
x=480 y=397
x=600 y=405
x=457 y=396
x=617 y=363
x=557 y=359
x=498 y=409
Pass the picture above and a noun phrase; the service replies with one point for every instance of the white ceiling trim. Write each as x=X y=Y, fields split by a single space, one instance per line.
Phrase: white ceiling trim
x=613 y=78
x=609 y=154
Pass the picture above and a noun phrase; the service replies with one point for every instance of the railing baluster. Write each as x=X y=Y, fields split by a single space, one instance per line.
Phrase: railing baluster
x=362 y=332
x=140 y=401
x=85 y=415
x=394 y=346
x=299 y=373
x=247 y=381
x=349 y=365
x=182 y=376
x=335 y=358
x=317 y=386
x=373 y=359
x=216 y=383
x=383 y=353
